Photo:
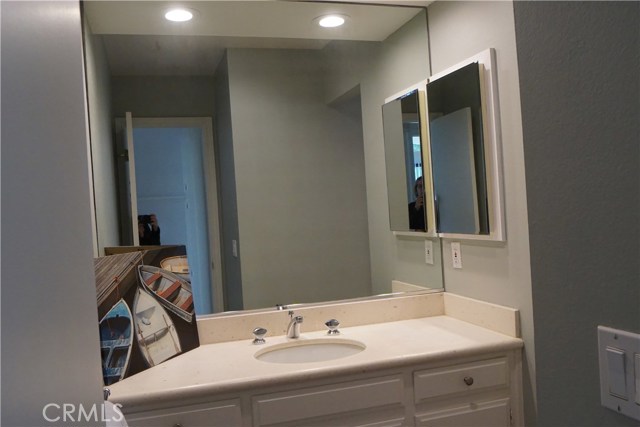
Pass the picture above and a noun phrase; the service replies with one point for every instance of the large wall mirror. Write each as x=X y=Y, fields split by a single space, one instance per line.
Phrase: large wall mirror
x=295 y=113
x=464 y=140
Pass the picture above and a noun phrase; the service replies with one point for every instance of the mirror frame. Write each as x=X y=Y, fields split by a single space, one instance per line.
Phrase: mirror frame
x=426 y=159
x=492 y=144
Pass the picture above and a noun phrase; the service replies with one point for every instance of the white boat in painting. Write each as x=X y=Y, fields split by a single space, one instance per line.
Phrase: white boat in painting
x=178 y=265
x=155 y=332
x=116 y=339
x=172 y=291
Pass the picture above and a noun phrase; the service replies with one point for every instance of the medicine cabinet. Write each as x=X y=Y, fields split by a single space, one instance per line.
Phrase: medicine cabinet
x=449 y=125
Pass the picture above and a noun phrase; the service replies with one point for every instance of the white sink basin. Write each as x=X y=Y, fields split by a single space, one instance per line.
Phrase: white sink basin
x=313 y=350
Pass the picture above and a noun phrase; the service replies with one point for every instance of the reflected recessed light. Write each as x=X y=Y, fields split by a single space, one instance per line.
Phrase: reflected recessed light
x=178 y=15
x=331 y=21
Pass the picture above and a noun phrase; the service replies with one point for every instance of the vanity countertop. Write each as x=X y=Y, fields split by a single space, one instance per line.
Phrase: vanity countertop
x=230 y=366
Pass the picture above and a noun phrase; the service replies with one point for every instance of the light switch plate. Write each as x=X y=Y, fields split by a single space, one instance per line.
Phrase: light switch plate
x=456 y=255
x=428 y=251
x=619 y=371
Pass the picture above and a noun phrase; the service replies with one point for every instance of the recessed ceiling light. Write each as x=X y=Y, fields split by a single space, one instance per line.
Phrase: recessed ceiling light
x=331 y=21
x=179 y=15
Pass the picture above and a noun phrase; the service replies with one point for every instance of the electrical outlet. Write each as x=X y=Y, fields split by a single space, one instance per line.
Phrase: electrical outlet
x=428 y=252
x=456 y=255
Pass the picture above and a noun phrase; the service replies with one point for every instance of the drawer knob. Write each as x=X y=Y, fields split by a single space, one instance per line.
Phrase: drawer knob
x=468 y=380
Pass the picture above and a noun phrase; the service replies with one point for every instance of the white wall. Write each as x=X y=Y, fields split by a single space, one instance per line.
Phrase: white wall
x=50 y=345
x=299 y=172
x=498 y=273
x=102 y=151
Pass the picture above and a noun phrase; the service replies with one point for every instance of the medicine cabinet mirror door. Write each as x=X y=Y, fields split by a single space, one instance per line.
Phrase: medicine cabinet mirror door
x=407 y=166
x=465 y=150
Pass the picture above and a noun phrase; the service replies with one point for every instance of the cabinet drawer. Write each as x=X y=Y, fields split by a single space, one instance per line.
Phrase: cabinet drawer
x=218 y=414
x=487 y=414
x=460 y=378
x=327 y=400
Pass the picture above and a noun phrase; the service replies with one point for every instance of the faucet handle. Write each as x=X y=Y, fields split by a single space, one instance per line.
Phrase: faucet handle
x=259 y=334
x=333 y=327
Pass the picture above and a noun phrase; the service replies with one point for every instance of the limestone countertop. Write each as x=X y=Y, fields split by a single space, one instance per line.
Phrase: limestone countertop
x=231 y=367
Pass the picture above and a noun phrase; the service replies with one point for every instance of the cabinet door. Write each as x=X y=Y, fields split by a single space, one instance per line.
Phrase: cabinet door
x=487 y=414
x=218 y=414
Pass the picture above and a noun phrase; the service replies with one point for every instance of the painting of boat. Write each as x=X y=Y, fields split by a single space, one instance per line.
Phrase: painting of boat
x=155 y=332
x=116 y=339
x=172 y=291
x=177 y=265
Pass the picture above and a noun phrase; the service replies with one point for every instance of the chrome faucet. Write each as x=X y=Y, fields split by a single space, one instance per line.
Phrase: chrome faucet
x=293 y=329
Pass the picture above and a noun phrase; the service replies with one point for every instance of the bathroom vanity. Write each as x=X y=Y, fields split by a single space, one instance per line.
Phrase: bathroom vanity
x=431 y=368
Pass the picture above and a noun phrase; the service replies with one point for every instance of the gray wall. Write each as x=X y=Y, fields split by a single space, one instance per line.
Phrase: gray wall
x=50 y=346
x=101 y=143
x=299 y=172
x=223 y=129
x=160 y=96
x=402 y=60
x=498 y=273
x=579 y=67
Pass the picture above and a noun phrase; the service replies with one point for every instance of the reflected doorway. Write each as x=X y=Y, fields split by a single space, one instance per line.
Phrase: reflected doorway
x=171 y=174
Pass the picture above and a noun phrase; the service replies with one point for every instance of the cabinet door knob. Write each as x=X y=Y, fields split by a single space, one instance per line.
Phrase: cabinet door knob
x=468 y=380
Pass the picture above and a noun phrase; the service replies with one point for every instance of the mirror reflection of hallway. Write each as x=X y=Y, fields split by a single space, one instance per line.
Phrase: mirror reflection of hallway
x=170 y=183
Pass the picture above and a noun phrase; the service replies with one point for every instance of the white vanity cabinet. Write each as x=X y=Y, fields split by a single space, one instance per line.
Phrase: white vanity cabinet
x=428 y=371
x=481 y=391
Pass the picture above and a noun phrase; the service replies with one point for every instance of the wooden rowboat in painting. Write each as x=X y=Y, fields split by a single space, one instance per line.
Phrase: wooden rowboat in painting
x=116 y=339
x=155 y=331
x=172 y=291
x=177 y=265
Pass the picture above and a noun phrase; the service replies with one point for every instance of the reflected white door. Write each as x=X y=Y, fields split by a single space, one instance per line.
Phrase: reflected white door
x=133 y=198
x=454 y=176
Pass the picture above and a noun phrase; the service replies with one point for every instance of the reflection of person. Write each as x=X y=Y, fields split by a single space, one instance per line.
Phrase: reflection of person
x=416 y=208
x=148 y=230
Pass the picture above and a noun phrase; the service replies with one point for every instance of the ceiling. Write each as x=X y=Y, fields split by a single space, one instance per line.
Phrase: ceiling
x=139 y=41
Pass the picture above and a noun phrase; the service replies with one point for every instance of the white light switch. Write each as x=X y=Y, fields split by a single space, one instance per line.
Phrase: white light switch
x=234 y=248
x=456 y=255
x=428 y=252
x=617 y=372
